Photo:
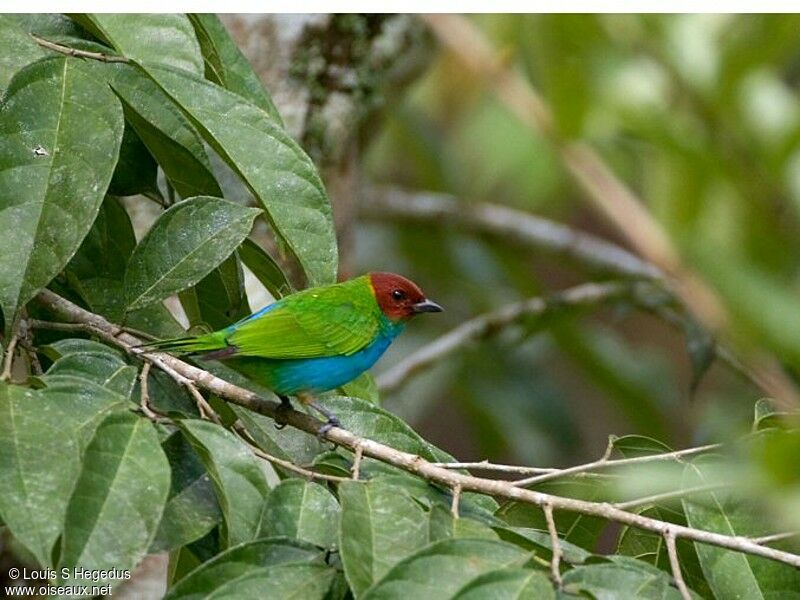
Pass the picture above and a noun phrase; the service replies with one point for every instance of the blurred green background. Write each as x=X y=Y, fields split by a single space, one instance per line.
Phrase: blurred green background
x=699 y=115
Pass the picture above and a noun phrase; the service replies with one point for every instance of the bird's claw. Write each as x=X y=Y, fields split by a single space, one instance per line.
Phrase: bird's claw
x=329 y=424
x=285 y=406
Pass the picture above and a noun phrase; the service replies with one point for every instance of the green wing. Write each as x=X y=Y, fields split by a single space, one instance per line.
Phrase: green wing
x=336 y=320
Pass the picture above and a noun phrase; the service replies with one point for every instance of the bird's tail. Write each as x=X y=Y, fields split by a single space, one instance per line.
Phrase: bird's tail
x=188 y=345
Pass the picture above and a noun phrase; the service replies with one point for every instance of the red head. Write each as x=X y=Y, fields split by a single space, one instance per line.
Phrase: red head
x=400 y=298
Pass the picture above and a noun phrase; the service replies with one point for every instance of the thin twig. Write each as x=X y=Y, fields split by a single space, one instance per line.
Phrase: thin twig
x=672 y=551
x=485 y=325
x=555 y=562
x=775 y=537
x=203 y=406
x=454 y=505
x=412 y=463
x=8 y=361
x=669 y=495
x=240 y=429
x=512 y=225
x=605 y=463
x=485 y=465
x=357 y=456
x=144 y=394
x=74 y=52
x=606 y=192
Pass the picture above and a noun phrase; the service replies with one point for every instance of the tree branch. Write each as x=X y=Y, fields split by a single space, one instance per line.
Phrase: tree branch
x=66 y=310
x=512 y=225
x=606 y=192
x=74 y=52
x=485 y=325
x=672 y=551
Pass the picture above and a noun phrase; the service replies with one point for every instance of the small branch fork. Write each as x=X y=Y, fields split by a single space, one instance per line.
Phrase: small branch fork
x=672 y=551
x=555 y=562
x=87 y=321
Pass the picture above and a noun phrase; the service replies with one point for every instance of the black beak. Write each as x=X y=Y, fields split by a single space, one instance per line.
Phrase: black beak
x=426 y=306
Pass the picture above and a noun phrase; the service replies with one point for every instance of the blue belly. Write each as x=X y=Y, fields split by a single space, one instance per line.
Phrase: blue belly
x=313 y=375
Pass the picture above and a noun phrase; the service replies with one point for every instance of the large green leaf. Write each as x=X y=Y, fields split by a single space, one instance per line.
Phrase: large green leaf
x=102 y=368
x=163 y=128
x=237 y=477
x=441 y=569
x=61 y=129
x=17 y=49
x=303 y=510
x=442 y=525
x=381 y=525
x=287 y=582
x=85 y=403
x=192 y=509
x=39 y=461
x=281 y=176
x=733 y=574
x=508 y=584
x=183 y=246
x=644 y=545
x=108 y=246
x=624 y=578
x=228 y=567
x=226 y=65
x=118 y=500
x=166 y=39
x=579 y=529
x=107 y=297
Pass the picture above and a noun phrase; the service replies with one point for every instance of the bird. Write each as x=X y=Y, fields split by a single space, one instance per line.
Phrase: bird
x=314 y=340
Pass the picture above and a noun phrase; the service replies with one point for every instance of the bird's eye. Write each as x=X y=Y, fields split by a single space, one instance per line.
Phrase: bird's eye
x=398 y=294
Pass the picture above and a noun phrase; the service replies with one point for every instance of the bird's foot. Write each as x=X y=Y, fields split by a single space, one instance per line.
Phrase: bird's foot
x=329 y=424
x=286 y=405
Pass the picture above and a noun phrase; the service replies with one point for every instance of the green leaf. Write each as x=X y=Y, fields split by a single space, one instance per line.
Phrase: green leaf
x=625 y=578
x=62 y=129
x=442 y=525
x=508 y=584
x=166 y=132
x=184 y=245
x=237 y=563
x=39 y=461
x=192 y=509
x=218 y=299
x=108 y=246
x=281 y=176
x=287 y=582
x=226 y=65
x=264 y=267
x=106 y=297
x=118 y=500
x=443 y=568
x=365 y=419
x=381 y=525
x=165 y=39
x=302 y=510
x=17 y=49
x=287 y=443
x=85 y=403
x=136 y=170
x=363 y=387
x=539 y=541
x=647 y=546
x=105 y=369
x=581 y=530
x=733 y=574
x=237 y=477
x=70 y=346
